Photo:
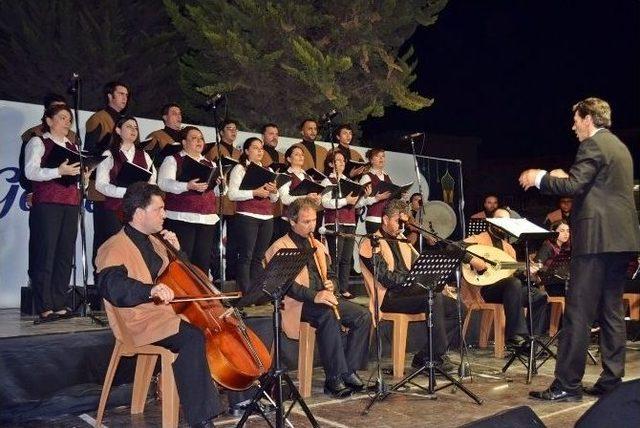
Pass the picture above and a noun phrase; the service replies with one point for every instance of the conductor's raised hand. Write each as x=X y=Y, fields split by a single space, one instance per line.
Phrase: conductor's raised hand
x=163 y=293
x=65 y=168
x=171 y=238
x=197 y=185
x=528 y=178
x=325 y=297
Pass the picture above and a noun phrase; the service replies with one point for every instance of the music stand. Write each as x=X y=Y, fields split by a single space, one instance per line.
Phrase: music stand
x=476 y=226
x=431 y=271
x=276 y=280
x=525 y=233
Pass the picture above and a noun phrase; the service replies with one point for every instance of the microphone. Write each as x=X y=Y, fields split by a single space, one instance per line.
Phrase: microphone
x=328 y=115
x=214 y=100
x=327 y=232
x=72 y=84
x=411 y=136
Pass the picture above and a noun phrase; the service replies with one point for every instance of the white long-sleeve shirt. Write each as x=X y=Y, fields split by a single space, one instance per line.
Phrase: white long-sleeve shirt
x=235 y=194
x=103 y=184
x=370 y=200
x=33 y=158
x=167 y=182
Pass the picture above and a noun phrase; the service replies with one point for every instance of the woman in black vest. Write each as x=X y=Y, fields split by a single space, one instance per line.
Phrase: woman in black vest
x=54 y=215
x=334 y=166
x=123 y=148
x=254 y=217
x=375 y=204
x=294 y=157
x=191 y=208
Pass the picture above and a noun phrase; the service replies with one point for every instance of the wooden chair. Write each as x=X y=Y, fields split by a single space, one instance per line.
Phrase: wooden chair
x=147 y=356
x=632 y=300
x=557 y=309
x=400 y=325
x=306 y=346
x=492 y=315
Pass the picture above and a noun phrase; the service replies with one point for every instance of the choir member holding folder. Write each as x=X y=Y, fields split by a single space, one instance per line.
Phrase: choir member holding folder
x=376 y=202
x=254 y=190
x=295 y=159
x=191 y=204
x=125 y=163
x=54 y=214
x=349 y=196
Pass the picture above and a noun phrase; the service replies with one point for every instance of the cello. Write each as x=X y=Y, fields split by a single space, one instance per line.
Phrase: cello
x=236 y=355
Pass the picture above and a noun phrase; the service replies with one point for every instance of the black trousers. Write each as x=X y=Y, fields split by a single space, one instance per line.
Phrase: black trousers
x=252 y=237
x=594 y=293
x=336 y=357
x=105 y=225
x=413 y=300
x=231 y=247
x=513 y=296
x=197 y=392
x=280 y=228
x=344 y=255
x=195 y=240
x=371 y=226
x=54 y=227
x=214 y=264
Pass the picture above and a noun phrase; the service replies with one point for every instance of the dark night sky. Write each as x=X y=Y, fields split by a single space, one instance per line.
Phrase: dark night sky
x=508 y=71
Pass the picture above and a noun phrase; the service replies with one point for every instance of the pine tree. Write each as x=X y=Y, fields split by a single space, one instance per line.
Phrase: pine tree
x=43 y=43
x=285 y=60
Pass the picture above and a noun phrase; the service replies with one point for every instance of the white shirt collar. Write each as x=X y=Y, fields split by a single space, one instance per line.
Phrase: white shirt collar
x=56 y=140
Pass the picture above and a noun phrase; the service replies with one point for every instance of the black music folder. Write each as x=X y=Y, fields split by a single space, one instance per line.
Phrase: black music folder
x=347 y=187
x=58 y=155
x=315 y=174
x=257 y=176
x=131 y=173
x=396 y=190
x=353 y=164
x=306 y=187
x=192 y=169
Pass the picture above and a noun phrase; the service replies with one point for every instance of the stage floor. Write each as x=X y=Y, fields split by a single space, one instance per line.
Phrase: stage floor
x=497 y=390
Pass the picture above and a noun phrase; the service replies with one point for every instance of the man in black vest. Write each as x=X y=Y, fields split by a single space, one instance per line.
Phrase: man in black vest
x=604 y=238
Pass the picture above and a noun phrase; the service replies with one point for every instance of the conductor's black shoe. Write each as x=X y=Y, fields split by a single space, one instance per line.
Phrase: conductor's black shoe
x=556 y=394
x=596 y=390
x=336 y=388
x=46 y=318
x=517 y=342
x=353 y=381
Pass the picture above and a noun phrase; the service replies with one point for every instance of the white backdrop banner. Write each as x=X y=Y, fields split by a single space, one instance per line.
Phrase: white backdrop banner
x=15 y=118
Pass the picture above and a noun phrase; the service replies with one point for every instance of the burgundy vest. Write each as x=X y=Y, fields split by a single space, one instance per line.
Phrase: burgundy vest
x=261 y=206
x=115 y=204
x=191 y=201
x=376 y=209
x=346 y=214
x=55 y=191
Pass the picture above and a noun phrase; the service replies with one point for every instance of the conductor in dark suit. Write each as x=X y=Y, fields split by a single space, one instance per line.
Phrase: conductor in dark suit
x=605 y=236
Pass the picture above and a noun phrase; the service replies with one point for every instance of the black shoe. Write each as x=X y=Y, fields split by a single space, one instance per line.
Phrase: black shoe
x=517 y=342
x=47 y=318
x=347 y=295
x=353 y=381
x=556 y=394
x=336 y=388
x=596 y=390
x=419 y=360
x=238 y=409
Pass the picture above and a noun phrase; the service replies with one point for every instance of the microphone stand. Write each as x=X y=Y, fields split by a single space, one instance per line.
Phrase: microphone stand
x=329 y=124
x=221 y=188
x=419 y=181
x=85 y=306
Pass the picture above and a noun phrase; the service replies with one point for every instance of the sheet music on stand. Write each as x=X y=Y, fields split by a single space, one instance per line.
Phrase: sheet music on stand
x=283 y=268
x=522 y=229
x=476 y=226
x=432 y=270
x=558 y=268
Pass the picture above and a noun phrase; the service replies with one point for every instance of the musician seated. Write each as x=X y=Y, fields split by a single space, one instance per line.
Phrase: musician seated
x=554 y=277
x=510 y=291
x=562 y=213
x=489 y=207
x=128 y=266
x=311 y=299
x=392 y=263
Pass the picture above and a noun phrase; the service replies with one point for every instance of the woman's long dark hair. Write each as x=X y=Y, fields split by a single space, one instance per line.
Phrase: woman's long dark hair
x=116 y=139
x=245 y=146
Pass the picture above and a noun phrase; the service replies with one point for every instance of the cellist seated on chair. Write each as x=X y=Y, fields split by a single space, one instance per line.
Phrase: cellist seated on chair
x=128 y=265
x=510 y=291
x=392 y=264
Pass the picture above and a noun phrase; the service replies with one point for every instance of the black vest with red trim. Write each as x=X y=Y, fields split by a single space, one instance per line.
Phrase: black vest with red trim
x=376 y=209
x=191 y=201
x=115 y=204
x=346 y=214
x=55 y=191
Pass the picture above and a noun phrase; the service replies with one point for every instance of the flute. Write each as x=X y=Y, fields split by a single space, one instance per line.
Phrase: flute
x=323 y=277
